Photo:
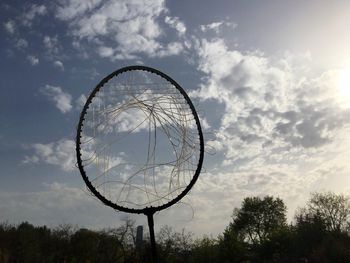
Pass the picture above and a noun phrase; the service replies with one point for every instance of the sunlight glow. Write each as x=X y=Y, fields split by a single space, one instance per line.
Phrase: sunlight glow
x=344 y=82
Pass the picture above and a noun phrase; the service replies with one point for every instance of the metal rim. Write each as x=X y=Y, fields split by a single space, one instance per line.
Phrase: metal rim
x=149 y=209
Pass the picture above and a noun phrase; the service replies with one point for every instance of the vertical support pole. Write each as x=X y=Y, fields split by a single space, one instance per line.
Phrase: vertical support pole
x=152 y=237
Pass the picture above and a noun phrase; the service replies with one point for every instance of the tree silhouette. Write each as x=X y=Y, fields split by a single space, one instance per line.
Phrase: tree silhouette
x=333 y=209
x=258 y=232
x=174 y=246
x=231 y=247
x=258 y=218
x=205 y=250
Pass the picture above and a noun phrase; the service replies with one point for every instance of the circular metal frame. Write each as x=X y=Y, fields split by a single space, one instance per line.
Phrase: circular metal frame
x=150 y=209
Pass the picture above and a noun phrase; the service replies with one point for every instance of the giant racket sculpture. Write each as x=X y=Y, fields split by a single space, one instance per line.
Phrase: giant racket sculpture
x=139 y=142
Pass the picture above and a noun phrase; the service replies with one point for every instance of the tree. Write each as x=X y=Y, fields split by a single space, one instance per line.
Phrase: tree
x=313 y=241
x=321 y=229
x=7 y=241
x=60 y=239
x=231 y=247
x=333 y=209
x=84 y=245
x=125 y=236
x=258 y=218
x=109 y=248
x=28 y=247
x=205 y=250
x=174 y=246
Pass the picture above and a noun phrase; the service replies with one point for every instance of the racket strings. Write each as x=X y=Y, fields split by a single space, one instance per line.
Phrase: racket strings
x=158 y=112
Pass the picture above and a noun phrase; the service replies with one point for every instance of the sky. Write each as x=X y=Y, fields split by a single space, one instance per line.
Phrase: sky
x=270 y=81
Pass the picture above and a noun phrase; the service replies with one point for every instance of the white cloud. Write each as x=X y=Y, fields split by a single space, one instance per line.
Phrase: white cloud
x=55 y=204
x=63 y=100
x=263 y=105
x=21 y=43
x=70 y=9
x=49 y=42
x=171 y=49
x=216 y=26
x=132 y=30
x=280 y=128
x=80 y=102
x=34 y=11
x=175 y=22
x=59 y=64
x=51 y=45
x=105 y=51
x=60 y=153
x=33 y=60
x=30 y=159
x=10 y=26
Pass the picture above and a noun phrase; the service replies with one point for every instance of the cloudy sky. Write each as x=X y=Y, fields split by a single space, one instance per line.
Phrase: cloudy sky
x=271 y=79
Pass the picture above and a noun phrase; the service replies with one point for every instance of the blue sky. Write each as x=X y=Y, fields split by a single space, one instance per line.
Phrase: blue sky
x=269 y=79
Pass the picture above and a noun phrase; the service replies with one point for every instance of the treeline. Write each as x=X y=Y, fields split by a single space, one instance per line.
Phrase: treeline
x=258 y=232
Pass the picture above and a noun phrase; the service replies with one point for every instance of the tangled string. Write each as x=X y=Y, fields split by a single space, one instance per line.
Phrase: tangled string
x=140 y=142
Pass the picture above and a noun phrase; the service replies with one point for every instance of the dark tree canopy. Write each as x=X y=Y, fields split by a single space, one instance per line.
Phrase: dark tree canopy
x=259 y=218
x=333 y=209
x=258 y=232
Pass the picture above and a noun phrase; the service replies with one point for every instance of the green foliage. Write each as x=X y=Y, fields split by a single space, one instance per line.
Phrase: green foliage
x=231 y=247
x=278 y=248
x=205 y=250
x=259 y=218
x=27 y=243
